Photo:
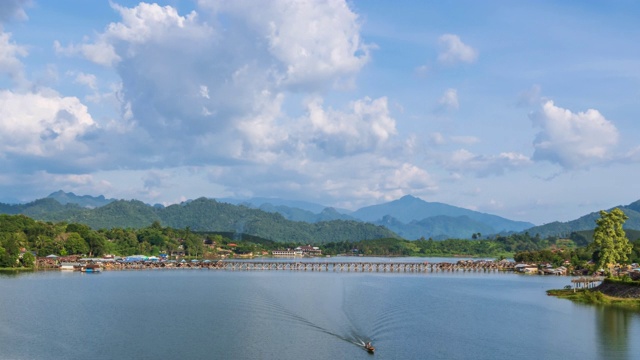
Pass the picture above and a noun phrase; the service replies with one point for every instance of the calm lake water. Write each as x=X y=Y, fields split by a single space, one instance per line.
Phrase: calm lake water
x=206 y=314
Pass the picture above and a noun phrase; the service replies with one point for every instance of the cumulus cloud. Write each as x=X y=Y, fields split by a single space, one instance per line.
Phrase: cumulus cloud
x=224 y=104
x=38 y=125
x=572 y=140
x=88 y=80
x=448 y=101
x=43 y=131
x=365 y=127
x=453 y=50
x=464 y=161
x=141 y=27
x=10 y=63
x=311 y=43
x=221 y=98
x=100 y=53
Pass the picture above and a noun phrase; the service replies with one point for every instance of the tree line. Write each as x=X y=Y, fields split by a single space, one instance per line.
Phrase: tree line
x=200 y=215
x=23 y=236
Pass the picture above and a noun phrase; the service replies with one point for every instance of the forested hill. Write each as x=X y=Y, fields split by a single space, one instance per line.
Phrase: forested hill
x=201 y=215
x=436 y=219
x=587 y=222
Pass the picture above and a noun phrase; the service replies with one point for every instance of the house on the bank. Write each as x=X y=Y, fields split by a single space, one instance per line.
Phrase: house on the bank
x=309 y=250
x=287 y=253
x=526 y=268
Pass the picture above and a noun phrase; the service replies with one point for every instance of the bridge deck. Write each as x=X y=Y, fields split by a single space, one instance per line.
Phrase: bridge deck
x=392 y=267
x=324 y=266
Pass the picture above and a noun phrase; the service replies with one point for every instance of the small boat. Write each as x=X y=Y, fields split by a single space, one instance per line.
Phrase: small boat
x=370 y=349
x=92 y=268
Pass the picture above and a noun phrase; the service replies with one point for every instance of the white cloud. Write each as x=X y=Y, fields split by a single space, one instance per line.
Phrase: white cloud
x=453 y=50
x=143 y=24
x=88 y=80
x=448 y=101
x=572 y=140
x=147 y=22
x=204 y=91
x=313 y=43
x=263 y=136
x=34 y=124
x=220 y=99
x=100 y=52
x=365 y=127
x=10 y=64
x=465 y=161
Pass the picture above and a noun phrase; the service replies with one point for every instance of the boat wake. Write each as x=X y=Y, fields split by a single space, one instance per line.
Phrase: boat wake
x=266 y=305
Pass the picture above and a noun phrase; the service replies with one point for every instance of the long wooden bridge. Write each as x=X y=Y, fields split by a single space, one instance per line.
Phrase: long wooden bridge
x=390 y=267
x=331 y=266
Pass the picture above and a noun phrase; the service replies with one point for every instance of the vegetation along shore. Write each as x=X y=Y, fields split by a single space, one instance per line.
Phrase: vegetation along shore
x=609 y=293
x=612 y=250
x=26 y=243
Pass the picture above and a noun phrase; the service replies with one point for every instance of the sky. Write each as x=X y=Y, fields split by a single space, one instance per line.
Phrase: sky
x=523 y=109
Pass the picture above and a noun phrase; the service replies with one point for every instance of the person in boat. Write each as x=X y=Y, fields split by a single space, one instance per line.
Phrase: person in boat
x=368 y=345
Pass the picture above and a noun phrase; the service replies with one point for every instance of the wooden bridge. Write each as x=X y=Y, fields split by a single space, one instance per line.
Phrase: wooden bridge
x=365 y=267
x=323 y=266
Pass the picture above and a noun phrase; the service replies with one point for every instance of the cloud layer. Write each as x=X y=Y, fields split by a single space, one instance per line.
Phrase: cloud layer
x=315 y=100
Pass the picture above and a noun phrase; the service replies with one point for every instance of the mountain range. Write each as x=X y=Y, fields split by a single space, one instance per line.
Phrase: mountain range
x=588 y=222
x=284 y=220
x=409 y=217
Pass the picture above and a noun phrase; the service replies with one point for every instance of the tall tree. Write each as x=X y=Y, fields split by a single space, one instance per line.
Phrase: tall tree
x=75 y=244
x=610 y=240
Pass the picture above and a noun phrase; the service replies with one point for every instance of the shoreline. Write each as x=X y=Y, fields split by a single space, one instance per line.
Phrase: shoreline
x=329 y=265
x=609 y=293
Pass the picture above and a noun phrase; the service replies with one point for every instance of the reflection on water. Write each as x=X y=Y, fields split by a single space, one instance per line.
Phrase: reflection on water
x=204 y=314
x=613 y=332
x=14 y=273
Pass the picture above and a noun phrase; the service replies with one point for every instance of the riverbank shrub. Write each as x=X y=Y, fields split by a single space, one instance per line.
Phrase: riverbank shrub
x=624 y=281
x=594 y=297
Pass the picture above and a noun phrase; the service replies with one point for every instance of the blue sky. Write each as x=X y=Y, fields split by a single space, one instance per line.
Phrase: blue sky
x=526 y=109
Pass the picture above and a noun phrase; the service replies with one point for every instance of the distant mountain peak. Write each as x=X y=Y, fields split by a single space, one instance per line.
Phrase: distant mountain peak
x=412 y=211
x=86 y=201
x=408 y=196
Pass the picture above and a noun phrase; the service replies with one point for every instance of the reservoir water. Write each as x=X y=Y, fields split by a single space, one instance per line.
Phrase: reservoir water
x=208 y=314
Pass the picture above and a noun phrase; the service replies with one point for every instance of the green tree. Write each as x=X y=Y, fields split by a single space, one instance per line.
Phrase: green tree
x=193 y=245
x=75 y=244
x=5 y=259
x=610 y=240
x=28 y=260
x=96 y=243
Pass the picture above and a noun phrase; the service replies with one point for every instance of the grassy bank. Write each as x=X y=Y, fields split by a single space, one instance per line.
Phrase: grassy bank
x=595 y=298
